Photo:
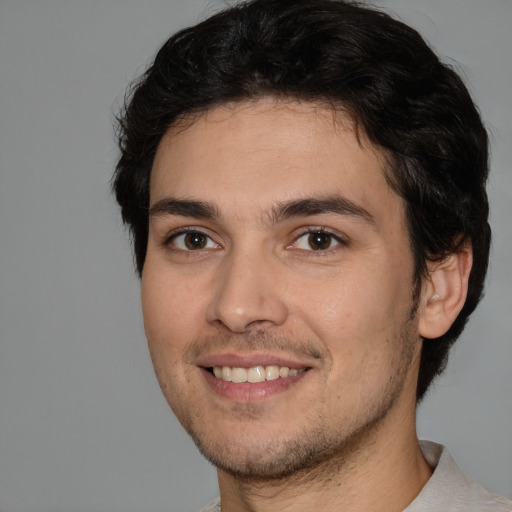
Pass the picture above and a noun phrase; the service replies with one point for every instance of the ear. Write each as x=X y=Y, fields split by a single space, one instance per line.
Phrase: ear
x=444 y=292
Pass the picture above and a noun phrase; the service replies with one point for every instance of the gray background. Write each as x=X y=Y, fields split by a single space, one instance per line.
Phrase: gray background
x=83 y=426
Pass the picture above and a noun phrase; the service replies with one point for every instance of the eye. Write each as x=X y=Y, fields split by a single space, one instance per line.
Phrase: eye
x=192 y=241
x=317 y=241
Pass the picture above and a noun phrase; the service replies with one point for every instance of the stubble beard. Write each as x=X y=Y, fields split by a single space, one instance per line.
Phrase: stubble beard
x=317 y=451
x=314 y=455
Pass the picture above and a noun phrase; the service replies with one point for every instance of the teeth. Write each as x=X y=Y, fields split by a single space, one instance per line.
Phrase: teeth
x=226 y=373
x=254 y=374
x=238 y=374
x=272 y=372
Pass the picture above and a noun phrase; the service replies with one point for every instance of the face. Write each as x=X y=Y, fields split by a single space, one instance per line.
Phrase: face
x=277 y=289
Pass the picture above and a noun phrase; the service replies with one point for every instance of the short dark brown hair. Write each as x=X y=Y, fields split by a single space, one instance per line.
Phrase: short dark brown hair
x=349 y=56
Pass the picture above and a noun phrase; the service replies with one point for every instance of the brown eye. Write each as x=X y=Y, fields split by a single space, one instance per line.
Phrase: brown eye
x=193 y=241
x=319 y=241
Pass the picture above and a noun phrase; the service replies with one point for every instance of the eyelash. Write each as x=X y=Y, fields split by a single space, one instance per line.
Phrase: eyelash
x=341 y=242
x=309 y=231
x=168 y=241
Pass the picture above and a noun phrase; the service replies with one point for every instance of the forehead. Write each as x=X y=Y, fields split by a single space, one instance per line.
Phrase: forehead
x=252 y=155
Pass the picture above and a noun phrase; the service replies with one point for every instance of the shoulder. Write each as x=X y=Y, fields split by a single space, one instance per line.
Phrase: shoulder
x=214 y=506
x=450 y=490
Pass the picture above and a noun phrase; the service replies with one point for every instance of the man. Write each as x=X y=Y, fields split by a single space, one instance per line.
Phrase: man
x=305 y=185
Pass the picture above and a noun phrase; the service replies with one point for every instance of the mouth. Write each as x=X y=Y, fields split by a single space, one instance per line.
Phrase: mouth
x=251 y=382
x=254 y=374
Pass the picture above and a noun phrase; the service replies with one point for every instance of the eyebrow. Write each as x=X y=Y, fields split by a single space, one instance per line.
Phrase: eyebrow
x=283 y=211
x=315 y=206
x=184 y=208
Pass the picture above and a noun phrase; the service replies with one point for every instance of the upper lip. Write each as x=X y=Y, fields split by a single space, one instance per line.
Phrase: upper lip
x=250 y=360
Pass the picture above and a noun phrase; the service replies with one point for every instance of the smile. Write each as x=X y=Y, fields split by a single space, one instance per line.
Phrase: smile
x=254 y=374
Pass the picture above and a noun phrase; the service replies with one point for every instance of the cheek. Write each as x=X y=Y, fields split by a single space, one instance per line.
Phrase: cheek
x=349 y=303
x=357 y=316
x=168 y=319
x=170 y=307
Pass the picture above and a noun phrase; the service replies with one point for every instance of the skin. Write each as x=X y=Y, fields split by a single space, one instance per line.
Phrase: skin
x=255 y=290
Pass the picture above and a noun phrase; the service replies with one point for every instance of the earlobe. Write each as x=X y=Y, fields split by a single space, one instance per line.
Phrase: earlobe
x=444 y=292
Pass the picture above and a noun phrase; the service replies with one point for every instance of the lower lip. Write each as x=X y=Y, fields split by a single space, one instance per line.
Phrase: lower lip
x=250 y=392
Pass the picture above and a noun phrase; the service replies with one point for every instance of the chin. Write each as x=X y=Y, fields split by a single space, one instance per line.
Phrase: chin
x=270 y=456
x=268 y=460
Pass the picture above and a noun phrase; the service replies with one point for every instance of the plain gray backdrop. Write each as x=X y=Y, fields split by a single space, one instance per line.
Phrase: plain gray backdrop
x=83 y=425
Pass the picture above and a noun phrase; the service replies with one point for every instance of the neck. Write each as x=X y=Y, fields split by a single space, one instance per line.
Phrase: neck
x=381 y=469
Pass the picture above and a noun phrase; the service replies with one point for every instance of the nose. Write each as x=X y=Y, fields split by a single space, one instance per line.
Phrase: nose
x=248 y=295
